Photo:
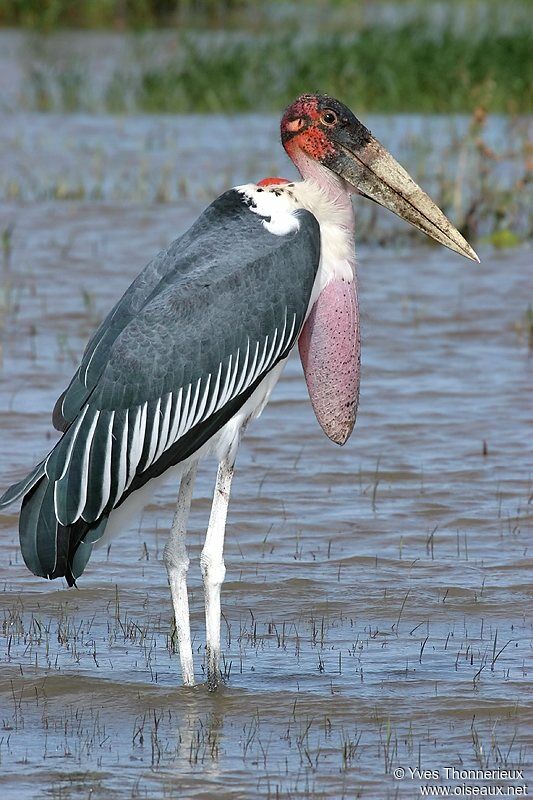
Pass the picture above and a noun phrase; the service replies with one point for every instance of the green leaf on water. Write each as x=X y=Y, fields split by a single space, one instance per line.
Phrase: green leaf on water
x=503 y=238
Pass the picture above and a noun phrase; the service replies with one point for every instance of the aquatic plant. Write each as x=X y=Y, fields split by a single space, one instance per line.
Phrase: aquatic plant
x=379 y=68
x=104 y=14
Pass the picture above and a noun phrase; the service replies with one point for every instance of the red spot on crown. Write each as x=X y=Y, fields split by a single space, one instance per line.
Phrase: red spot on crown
x=305 y=107
x=272 y=181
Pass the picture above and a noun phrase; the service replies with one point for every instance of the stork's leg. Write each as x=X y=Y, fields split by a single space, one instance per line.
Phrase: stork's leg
x=213 y=569
x=177 y=564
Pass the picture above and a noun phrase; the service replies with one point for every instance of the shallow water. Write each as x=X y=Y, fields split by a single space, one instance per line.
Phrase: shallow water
x=376 y=600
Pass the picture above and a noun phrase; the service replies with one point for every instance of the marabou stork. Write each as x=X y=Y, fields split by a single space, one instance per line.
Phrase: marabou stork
x=191 y=352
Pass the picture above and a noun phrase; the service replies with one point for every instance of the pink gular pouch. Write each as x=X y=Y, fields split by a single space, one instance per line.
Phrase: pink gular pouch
x=330 y=350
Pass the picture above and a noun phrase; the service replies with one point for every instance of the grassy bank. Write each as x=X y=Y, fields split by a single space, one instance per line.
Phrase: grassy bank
x=244 y=55
x=133 y=14
x=380 y=68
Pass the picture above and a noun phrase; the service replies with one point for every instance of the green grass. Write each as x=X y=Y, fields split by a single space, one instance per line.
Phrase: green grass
x=53 y=14
x=380 y=69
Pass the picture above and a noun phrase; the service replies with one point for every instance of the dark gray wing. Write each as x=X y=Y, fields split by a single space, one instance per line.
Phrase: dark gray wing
x=161 y=272
x=180 y=354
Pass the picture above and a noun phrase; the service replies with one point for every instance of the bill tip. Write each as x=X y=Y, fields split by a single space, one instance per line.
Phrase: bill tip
x=473 y=256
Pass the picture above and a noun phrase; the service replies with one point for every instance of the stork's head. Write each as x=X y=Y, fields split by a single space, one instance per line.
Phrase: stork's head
x=320 y=133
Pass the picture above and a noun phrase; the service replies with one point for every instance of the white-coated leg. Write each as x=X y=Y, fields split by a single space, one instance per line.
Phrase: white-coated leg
x=177 y=564
x=213 y=569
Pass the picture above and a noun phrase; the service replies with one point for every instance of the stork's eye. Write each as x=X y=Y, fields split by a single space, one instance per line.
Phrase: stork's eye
x=329 y=117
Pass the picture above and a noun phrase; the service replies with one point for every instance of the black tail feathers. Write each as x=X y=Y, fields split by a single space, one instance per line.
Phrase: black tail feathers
x=49 y=549
x=18 y=489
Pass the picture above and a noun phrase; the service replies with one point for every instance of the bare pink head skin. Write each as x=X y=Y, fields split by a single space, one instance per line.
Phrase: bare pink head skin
x=331 y=148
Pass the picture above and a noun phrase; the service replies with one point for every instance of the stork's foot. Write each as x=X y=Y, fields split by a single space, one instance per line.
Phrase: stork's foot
x=213 y=575
x=187 y=672
x=214 y=675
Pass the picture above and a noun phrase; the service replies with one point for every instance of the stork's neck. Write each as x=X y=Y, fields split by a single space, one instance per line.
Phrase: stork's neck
x=332 y=186
x=326 y=196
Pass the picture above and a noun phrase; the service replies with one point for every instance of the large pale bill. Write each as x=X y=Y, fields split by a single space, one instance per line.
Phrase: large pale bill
x=376 y=174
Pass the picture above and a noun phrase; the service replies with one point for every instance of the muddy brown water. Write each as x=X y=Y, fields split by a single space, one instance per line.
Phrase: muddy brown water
x=377 y=600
